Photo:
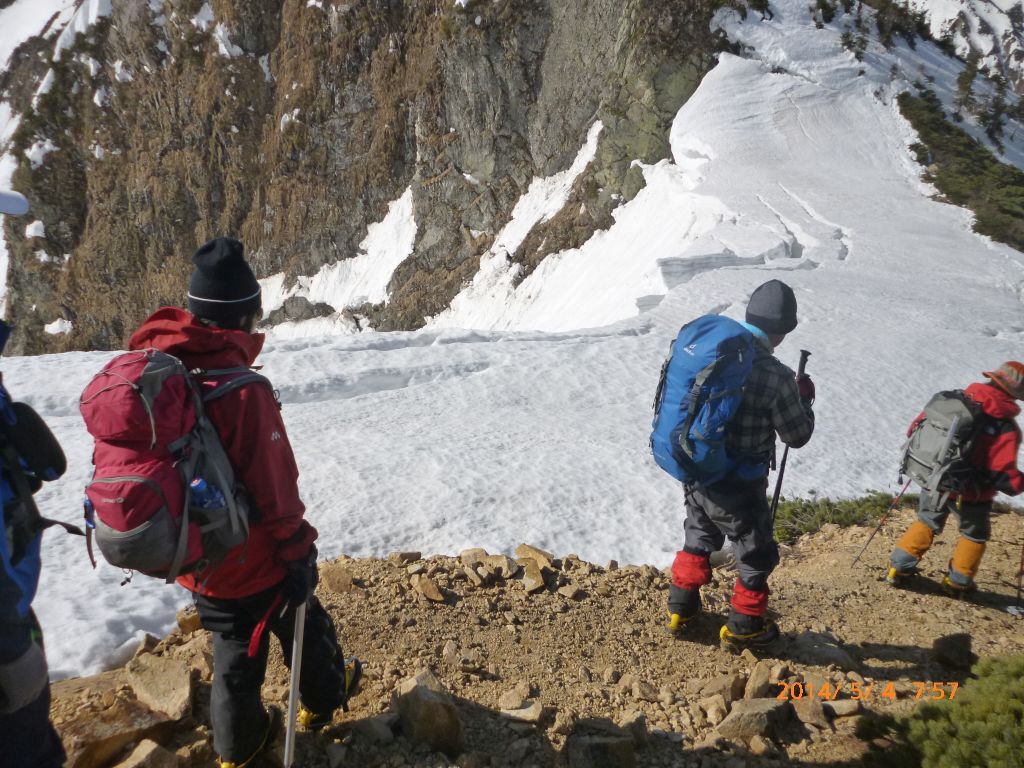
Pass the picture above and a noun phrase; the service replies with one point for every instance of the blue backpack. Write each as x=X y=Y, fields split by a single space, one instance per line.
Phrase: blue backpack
x=700 y=390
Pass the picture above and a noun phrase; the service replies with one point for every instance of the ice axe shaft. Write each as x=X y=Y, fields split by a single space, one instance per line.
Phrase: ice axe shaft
x=881 y=523
x=293 y=691
x=804 y=354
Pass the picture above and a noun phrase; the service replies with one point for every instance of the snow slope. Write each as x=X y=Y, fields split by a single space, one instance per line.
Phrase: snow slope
x=787 y=162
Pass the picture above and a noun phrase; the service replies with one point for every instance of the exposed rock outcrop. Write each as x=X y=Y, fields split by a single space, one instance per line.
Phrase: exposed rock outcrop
x=293 y=124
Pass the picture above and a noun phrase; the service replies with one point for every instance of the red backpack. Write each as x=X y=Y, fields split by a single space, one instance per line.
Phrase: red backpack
x=145 y=410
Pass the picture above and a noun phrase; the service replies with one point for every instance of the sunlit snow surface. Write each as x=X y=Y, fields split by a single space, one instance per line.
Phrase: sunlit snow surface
x=787 y=163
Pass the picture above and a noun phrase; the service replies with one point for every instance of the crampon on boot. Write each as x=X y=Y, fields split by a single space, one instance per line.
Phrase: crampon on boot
x=676 y=624
x=759 y=633
x=894 y=577
x=314 y=721
x=957 y=591
x=256 y=759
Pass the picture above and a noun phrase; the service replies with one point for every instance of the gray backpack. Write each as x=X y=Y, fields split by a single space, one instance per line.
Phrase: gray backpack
x=937 y=454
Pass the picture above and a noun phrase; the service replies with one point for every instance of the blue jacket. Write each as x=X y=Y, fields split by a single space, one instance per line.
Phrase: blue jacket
x=18 y=581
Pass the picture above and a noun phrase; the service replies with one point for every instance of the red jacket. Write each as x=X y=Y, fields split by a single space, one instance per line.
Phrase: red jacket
x=996 y=446
x=250 y=427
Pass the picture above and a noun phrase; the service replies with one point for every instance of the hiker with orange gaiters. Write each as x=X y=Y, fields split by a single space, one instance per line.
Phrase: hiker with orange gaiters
x=977 y=461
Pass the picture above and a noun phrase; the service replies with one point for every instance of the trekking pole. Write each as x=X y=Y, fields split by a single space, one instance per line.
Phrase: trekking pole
x=804 y=354
x=881 y=522
x=1018 y=609
x=293 y=692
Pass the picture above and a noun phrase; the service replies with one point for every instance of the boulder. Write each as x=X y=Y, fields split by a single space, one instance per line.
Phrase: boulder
x=472 y=557
x=528 y=712
x=92 y=738
x=731 y=687
x=503 y=565
x=511 y=700
x=810 y=711
x=533 y=580
x=842 y=707
x=188 y=621
x=404 y=558
x=337 y=755
x=162 y=683
x=715 y=707
x=644 y=691
x=427 y=587
x=760 y=683
x=428 y=714
x=149 y=754
x=954 y=651
x=755 y=717
x=635 y=724
x=375 y=730
x=336 y=577
x=820 y=649
x=539 y=556
x=599 y=743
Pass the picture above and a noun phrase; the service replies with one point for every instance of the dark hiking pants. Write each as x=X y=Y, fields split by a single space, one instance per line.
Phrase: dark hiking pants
x=27 y=737
x=239 y=719
x=739 y=511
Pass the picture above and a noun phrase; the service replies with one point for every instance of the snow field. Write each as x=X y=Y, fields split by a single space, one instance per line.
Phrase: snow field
x=790 y=162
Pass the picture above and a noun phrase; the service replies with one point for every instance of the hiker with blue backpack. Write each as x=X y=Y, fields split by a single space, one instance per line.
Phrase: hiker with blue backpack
x=29 y=455
x=195 y=482
x=722 y=399
x=962 y=451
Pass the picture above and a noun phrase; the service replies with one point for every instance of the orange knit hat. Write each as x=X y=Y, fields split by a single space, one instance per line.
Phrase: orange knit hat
x=1010 y=378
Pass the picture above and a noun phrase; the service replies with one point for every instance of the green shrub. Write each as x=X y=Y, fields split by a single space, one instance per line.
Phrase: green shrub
x=982 y=726
x=967 y=173
x=796 y=517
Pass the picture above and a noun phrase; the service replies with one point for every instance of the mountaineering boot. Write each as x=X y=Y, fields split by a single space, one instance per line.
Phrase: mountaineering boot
x=898 y=578
x=683 y=608
x=676 y=624
x=255 y=760
x=754 y=632
x=314 y=721
x=956 y=590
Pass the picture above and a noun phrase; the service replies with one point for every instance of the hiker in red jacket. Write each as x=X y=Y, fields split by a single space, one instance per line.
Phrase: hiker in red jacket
x=261 y=582
x=994 y=456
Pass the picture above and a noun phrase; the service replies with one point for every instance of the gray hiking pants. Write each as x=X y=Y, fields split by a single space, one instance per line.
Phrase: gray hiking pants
x=737 y=510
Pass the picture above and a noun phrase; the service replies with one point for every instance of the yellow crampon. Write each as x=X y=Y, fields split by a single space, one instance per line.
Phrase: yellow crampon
x=676 y=623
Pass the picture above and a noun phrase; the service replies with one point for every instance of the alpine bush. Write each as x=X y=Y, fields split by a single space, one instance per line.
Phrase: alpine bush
x=796 y=517
x=982 y=726
x=967 y=173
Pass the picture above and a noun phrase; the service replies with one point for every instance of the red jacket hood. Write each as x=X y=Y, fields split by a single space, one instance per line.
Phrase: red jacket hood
x=179 y=333
x=994 y=401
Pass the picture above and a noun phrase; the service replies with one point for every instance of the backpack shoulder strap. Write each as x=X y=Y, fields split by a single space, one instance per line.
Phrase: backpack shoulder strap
x=240 y=377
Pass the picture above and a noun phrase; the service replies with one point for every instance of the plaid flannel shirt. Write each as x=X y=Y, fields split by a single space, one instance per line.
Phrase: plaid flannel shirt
x=771 y=404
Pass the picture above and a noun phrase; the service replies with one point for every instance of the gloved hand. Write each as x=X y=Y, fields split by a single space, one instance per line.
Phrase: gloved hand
x=22 y=680
x=805 y=387
x=301 y=579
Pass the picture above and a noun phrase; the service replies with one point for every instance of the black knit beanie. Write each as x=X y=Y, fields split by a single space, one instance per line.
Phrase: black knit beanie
x=772 y=308
x=223 y=287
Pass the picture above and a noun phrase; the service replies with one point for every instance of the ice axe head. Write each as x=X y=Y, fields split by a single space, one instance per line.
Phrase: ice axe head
x=804 y=354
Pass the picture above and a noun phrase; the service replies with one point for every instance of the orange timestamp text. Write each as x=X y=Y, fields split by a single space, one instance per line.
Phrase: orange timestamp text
x=864 y=691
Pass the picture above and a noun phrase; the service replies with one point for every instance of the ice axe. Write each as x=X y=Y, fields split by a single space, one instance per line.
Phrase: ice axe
x=293 y=691
x=881 y=523
x=804 y=354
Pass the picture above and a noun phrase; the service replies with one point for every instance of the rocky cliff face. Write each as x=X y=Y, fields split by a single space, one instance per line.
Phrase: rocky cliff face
x=292 y=125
